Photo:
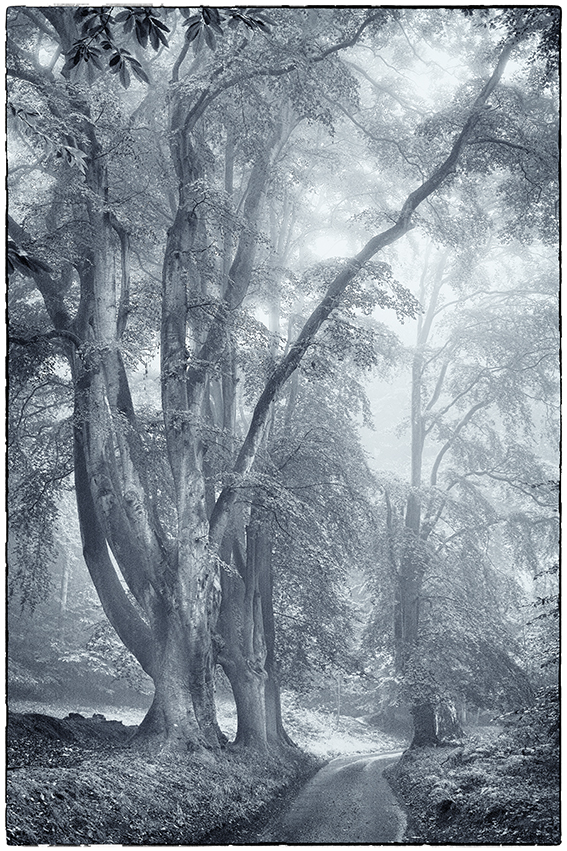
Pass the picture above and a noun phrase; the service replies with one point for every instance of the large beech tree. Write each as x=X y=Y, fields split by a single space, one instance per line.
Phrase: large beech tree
x=279 y=74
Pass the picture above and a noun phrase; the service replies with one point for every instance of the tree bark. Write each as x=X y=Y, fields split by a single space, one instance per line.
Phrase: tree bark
x=424 y=727
x=276 y=733
x=172 y=722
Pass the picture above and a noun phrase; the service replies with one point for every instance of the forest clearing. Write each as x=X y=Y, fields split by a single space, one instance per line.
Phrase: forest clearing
x=283 y=425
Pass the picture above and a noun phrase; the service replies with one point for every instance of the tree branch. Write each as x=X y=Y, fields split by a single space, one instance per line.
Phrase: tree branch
x=291 y=361
x=49 y=335
x=466 y=419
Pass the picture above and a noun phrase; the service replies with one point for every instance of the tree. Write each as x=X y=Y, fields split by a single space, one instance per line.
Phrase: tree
x=170 y=562
x=482 y=384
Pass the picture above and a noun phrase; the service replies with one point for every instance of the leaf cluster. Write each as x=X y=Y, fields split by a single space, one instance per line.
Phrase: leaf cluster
x=201 y=28
x=102 y=29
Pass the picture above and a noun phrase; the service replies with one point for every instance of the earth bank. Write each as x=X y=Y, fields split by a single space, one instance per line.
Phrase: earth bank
x=501 y=787
x=73 y=781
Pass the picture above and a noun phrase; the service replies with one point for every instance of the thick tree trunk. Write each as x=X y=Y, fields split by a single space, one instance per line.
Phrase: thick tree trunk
x=171 y=721
x=424 y=726
x=275 y=730
x=248 y=688
x=435 y=724
x=246 y=624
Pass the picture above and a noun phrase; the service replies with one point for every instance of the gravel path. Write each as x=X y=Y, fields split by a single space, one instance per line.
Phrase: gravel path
x=348 y=801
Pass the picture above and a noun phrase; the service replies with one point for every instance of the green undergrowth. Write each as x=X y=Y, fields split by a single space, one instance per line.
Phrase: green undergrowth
x=120 y=797
x=504 y=791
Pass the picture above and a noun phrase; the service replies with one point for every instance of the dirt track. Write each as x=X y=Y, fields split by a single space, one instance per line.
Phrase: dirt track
x=348 y=801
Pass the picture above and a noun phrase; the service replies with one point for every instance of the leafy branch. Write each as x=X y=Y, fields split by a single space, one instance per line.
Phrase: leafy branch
x=99 y=29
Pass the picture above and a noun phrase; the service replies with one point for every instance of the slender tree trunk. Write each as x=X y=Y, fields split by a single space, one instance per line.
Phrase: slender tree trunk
x=276 y=733
x=430 y=716
x=244 y=651
x=63 y=594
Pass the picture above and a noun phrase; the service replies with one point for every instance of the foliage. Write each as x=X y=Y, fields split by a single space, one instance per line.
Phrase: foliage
x=191 y=201
x=495 y=790
x=102 y=30
x=323 y=522
x=106 y=655
x=317 y=730
x=39 y=463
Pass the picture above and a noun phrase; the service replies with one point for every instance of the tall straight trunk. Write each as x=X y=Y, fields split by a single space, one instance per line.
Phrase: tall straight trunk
x=193 y=582
x=413 y=561
x=429 y=714
x=243 y=654
x=274 y=723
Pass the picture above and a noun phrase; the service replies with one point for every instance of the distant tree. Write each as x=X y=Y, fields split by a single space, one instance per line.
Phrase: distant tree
x=483 y=382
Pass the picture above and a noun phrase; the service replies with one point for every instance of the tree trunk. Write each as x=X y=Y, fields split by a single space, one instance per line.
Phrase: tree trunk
x=246 y=623
x=447 y=725
x=424 y=726
x=63 y=593
x=171 y=720
x=435 y=724
x=276 y=733
x=243 y=654
x=248 y=688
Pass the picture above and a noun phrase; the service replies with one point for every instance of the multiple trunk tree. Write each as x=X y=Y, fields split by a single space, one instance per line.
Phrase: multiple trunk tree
x=199 y=587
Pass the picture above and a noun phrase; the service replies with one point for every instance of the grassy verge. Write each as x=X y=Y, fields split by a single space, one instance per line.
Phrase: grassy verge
x=122 y=798
x=485 y=793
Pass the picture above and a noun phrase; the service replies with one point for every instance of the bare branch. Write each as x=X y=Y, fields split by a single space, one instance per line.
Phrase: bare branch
x=458 y=428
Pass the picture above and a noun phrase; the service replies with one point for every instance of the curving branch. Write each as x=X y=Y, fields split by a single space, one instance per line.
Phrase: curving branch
x=458 y=428
x=208 y=96
x=49 y=288
x=331 y=300
x=132 y=630
x=378 y=139
x=49 y=335
x=435 y=419
x=381 y=88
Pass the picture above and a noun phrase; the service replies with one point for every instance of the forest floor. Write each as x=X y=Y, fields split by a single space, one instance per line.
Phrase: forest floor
x=502 y=787
x=72 y=780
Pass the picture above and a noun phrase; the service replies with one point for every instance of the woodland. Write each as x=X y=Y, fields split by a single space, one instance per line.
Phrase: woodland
x=283 y=390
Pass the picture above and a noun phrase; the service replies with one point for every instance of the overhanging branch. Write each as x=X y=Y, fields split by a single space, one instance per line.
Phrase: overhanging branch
x=49 y=335
x=291 y=361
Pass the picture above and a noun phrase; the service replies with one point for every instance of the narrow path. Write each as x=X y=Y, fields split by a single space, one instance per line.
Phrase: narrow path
x=346 y=802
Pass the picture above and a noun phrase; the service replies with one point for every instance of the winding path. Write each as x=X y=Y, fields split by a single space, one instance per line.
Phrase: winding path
x=348 y=801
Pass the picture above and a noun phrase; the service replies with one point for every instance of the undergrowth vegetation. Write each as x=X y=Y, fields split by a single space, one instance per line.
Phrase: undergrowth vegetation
x=500 y=791
x=120 y=797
